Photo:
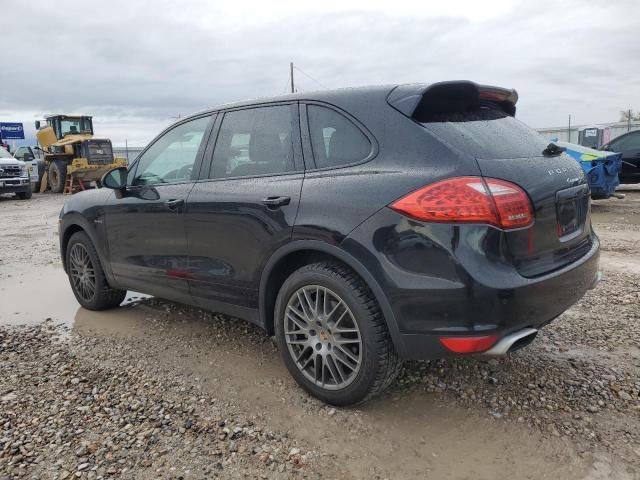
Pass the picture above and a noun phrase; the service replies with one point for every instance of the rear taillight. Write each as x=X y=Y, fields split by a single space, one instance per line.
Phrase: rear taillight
x=469 y=200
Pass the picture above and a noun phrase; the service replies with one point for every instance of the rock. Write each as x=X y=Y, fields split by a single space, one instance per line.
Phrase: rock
x=624 y=396
x=9 y=397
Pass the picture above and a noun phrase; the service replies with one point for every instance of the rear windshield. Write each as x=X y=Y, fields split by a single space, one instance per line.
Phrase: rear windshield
x=485 y=132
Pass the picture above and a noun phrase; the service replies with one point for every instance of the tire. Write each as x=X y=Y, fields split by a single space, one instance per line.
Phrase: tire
x=379 y=364
x=101 y=296
x=57 y=175
x=35 y=187
x=24 y=195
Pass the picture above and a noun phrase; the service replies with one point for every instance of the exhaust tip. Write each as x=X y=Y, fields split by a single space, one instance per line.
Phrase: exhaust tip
x=512 y=342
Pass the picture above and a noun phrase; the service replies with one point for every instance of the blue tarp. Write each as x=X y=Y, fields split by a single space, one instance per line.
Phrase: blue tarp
x=601 y=168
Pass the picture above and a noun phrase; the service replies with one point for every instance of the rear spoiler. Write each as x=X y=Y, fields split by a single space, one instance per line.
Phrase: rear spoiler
x=419 y=101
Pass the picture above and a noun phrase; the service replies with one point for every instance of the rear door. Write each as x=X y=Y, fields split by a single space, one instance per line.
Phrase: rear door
x=506 y=149
x=245 y=205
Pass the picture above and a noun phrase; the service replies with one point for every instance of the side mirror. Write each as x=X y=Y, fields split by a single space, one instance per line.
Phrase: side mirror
x=28 y=157
x=37 y=124
x=115 y=179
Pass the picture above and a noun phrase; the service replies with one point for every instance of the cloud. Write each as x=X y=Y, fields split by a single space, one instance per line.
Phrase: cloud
x=135 y=65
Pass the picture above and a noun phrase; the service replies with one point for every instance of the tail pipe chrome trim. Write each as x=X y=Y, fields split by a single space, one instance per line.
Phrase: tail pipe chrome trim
x=522 y=337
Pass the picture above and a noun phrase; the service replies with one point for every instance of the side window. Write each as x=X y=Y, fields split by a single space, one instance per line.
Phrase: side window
x=630 y=142
x=335 y=140
x=170 y=159
x=255 y=141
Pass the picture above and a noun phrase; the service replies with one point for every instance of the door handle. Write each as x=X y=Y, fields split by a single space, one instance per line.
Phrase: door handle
x=276 y=202
x=174 y=203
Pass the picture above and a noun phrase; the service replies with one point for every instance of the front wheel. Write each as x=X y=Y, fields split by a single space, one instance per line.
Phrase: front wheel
x=86 y=276
x=57 y=175
x=332 y=335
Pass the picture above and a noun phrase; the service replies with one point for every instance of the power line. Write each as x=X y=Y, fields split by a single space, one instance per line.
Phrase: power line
x=310 y=77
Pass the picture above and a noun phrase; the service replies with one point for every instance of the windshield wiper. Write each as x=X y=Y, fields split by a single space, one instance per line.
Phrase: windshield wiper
x=553 y=150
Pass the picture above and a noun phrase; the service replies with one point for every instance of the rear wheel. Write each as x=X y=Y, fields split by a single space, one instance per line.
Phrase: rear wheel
x=57 y=175
x=332 y=336
x=86 y=276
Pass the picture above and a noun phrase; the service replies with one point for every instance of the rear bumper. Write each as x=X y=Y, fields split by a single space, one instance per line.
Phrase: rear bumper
x=444 y=281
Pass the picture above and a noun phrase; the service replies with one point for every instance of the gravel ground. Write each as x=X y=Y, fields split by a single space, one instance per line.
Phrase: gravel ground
x=98 y=410
x=160 y=390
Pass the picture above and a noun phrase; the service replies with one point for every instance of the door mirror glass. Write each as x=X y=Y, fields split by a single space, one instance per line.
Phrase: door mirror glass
x=37 y=124
x=115 y=179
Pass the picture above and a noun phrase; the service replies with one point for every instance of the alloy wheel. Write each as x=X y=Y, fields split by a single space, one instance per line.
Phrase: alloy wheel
x=323 y=337
x=82 y=272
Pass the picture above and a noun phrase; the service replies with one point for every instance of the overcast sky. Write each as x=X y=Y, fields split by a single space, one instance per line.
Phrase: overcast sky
x=134 y=65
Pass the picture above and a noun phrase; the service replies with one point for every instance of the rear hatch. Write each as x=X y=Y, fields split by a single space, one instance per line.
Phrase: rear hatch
x=478 y=121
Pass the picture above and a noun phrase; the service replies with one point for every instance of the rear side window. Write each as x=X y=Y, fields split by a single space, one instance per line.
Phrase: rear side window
x=335 y=140
x=485 y=132
x=255 y=141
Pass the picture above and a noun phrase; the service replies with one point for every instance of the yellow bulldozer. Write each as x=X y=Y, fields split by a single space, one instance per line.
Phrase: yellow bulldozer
x=72 y=157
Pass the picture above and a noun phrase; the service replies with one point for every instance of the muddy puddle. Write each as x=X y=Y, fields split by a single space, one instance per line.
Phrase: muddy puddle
x=33 y=296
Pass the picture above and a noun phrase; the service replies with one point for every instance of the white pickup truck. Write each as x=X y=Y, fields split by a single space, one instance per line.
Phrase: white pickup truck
x=34 y=160
x=14 y=176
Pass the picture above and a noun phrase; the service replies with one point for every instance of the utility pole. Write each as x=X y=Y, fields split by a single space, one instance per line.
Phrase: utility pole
x=629 y=121
x=569 y=130
x=293 y=90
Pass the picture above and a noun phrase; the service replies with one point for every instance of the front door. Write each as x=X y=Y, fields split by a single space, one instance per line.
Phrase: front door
x=246 y=207
x=145 y=226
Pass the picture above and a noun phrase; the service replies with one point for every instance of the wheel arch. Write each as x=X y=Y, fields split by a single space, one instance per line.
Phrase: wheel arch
x=72 y=223
x=298 y=253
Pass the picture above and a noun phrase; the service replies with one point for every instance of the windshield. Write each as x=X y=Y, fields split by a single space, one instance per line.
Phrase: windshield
x=75 y=125
x=4 y=153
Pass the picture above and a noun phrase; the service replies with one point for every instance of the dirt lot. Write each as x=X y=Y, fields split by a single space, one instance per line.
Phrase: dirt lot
x=159 y=390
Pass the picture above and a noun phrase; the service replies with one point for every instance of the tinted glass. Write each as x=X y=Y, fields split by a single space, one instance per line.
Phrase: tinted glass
x=486 y=133
x=255 y=141
x=630 y=142
x=170 y=159
x=335 y=140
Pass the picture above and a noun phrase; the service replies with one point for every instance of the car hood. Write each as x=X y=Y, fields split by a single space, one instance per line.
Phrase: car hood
x=11 y=161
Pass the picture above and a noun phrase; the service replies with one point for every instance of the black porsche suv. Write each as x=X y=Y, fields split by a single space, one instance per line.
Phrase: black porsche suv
x=360 y=227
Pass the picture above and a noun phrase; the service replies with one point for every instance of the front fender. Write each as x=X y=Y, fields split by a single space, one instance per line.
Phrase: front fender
x=71 y=222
